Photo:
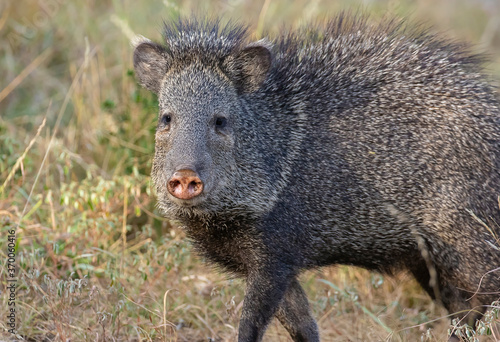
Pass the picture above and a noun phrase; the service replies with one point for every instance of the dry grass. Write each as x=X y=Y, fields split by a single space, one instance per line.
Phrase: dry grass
x=94 y=260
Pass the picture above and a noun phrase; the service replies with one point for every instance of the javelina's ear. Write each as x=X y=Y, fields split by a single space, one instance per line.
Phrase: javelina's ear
x=151 y=62
x=248 y=68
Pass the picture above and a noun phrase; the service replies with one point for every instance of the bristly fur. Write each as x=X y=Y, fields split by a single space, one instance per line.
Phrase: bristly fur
x=209 y=40
x=348 y=142
x=317 y=46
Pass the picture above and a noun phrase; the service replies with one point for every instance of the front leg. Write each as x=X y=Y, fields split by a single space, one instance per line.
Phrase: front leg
x=295 y=315
x=266 y=288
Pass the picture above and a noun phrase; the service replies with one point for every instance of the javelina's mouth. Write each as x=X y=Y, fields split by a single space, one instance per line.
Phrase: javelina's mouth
x=186 y=203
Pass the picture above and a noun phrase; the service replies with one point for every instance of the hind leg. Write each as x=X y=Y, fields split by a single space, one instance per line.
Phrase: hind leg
x=421 y=273
x=458 y=302
x=462 y=307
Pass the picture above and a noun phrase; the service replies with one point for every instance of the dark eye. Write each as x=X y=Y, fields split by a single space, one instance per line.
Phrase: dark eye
x=220 y=122
x=165 y=120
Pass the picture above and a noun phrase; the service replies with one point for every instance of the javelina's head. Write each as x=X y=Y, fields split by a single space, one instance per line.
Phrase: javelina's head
x=200 y=76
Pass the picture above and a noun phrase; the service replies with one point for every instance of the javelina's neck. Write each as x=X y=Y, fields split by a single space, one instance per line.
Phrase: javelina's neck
x=226 y=240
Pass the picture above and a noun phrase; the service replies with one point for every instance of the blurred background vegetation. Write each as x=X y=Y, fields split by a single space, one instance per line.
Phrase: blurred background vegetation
x=95 y=261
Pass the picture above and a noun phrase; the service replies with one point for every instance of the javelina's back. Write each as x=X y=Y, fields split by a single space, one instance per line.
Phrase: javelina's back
x=358 y=144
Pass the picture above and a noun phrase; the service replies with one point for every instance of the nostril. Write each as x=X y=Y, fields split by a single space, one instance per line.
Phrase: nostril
x=195 y=187
x=195 y=184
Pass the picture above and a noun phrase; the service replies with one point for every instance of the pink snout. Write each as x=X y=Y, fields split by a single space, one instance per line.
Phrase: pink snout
x=185 y=184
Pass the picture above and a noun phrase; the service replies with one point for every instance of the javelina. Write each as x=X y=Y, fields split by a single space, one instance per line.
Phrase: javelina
x=351 y=143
